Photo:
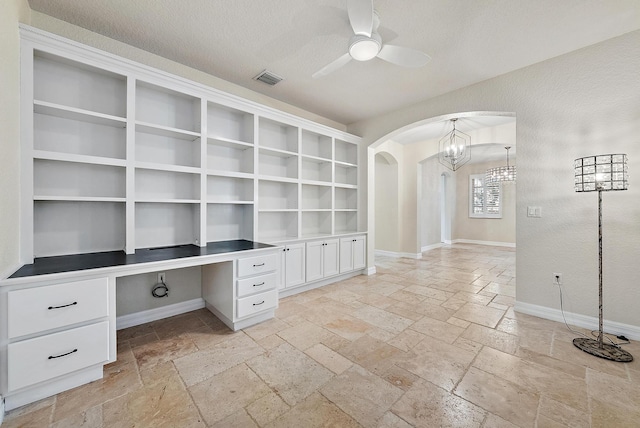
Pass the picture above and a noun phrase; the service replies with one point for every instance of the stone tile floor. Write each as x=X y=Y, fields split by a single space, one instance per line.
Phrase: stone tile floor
x=430 y=343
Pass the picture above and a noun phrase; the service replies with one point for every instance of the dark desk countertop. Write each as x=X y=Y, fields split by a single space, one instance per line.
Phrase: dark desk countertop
x=78 y=262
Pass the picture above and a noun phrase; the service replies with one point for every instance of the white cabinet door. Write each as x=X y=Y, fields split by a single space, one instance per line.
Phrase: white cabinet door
x=353 y=253
x=294 y=265
x=330 y=258
x=359 y=252
x=314 y=262
x=346 y=255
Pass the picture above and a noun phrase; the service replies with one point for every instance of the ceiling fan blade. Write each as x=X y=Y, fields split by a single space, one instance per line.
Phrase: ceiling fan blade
x=405 y=57
x=361 y=16
x=332 y=66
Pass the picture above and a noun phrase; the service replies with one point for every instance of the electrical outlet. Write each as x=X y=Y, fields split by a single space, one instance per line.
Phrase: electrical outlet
x=161 y=277
x=557 y=278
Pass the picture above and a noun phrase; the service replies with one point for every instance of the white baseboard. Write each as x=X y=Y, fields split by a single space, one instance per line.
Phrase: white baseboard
x=142 y=317
x=371 y=271
x=433 y=246
x=493 y=243
x=394 y=254
x=579 y=320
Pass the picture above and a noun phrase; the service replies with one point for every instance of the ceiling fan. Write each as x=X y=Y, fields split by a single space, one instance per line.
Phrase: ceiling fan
x=366 y=43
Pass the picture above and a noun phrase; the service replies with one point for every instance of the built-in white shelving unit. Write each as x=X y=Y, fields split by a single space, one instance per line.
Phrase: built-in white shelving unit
x=123 y=157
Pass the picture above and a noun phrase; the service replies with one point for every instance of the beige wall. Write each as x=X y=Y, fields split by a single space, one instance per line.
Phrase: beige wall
x=497 y=230
x=387 y=203
x=582 y=103
x=11 y=12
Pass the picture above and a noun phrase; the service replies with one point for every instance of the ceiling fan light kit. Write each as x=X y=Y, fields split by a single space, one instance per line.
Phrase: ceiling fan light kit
x=363 y=48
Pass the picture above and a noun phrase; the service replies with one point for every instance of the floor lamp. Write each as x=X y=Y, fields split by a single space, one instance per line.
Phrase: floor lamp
x=601 y=173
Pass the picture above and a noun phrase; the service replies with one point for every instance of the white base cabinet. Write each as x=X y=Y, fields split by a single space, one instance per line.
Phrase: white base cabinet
x=322 y=259
x=293 y=266
x=352 y=253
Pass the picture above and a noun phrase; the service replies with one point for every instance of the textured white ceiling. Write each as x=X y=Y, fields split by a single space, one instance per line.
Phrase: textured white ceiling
x=468 y=40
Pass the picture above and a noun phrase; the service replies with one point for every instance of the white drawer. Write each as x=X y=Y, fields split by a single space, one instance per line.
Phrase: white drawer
x=257 y=265
x=258 y=303
x=52 y=306
x=257 y=284
x=36 y=360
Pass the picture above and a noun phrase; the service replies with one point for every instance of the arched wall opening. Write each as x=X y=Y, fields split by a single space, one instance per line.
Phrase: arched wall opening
x=416 y=159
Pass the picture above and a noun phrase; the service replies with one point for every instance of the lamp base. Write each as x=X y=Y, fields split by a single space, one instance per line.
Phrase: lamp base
x=609 y=352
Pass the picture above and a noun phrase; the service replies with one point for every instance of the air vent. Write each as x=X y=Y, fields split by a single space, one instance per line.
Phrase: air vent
x=268 y=77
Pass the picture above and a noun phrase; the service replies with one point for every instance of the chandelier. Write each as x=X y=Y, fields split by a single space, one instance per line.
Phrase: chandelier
x=501 y=174
x=455 y=148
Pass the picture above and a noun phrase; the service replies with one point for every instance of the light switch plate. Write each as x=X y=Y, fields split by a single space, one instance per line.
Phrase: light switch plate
x=535 y=212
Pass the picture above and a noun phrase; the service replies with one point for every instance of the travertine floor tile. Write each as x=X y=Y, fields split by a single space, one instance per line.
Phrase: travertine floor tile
x=162 y=402
x=314 y=412
x=438 y=362
x=492 y=338
x=504 y=398
x=382 y=319
x=201 y=365
x=304 y=335
x=239 y=419
x=224 y=394
x=290 y=372
x=361 y=394
x=329 y=358
x=478 y=314
x=267 y=408
x=438 y=329
x=427 y=405
x=372 y=354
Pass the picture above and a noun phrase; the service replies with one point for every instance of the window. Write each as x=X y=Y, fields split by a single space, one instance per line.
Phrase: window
x=484 y=200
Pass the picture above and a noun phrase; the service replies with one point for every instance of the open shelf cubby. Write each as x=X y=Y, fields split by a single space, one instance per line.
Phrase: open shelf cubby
x=229 y=221
x=71 y=179
x=277 y=164
x=345 y=199
x=347 y=175
x=275 y=195
x=65 y=82
x=346 y=221
x=155 y=185
x=316 y=170
x=277 y=226
x=167 y=108
x=346 y=152
x=166 y=224
x=228 y=123
x=316 y=145
x=167 y=150
x=316 y=197
x=229 y=189
x=79 y=137
x=226 y=156
x=279 y=136
x=316 y=223
x=67 y=227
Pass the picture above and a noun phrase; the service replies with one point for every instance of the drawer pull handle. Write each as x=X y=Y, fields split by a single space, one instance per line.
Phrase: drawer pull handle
x=258 y=304
x=51 y=357
x=259 y=285
x=261 y=264
x=63 y=306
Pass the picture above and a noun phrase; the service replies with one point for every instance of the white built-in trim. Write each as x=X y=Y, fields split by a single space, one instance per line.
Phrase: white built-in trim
x=371 y=271
x=10 y=271
x=142 y=317
x=494 y=243
x=433 y=246
x=579 y=320
x=394 y=254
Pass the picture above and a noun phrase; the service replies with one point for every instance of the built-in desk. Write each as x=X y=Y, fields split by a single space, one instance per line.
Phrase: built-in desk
x=58 y=315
